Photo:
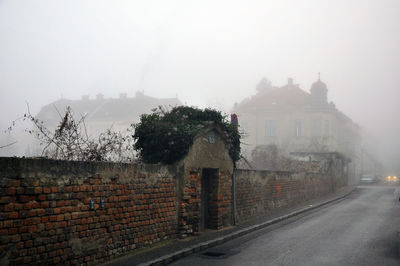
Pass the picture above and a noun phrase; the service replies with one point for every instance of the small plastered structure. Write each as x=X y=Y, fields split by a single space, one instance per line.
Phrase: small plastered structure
x=206 y=199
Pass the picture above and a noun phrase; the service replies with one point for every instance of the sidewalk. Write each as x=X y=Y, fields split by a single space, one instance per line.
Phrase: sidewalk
x=171 y=250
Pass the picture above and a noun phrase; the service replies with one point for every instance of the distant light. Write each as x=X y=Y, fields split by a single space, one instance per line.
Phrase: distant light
x=395 y=178
x=389 y=178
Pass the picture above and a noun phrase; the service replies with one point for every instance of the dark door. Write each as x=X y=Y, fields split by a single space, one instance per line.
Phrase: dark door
x=208 y=197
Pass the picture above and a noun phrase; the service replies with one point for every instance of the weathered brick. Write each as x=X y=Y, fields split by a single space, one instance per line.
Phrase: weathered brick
x=11 y=191
x=56 y=260
x=32 y=229
x=12 y=230
x=41 y=249
x=67 y=216
x=42 y=197
x=5 y=199
x=55 y=213
x=13 y=215
x=27 y=259
x=61 y=203
x=44 y=204
x=19 y=245
x=31 y=213
x=40 y=212
x=28 y=244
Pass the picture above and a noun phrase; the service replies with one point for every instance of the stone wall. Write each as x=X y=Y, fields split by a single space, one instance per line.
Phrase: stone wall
x=55 y=211
x=260 y=192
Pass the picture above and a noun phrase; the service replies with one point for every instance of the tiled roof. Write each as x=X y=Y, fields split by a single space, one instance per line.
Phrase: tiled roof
x=123 y=109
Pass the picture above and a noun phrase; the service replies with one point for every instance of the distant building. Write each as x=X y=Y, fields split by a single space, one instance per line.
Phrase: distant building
x=298 y=121
x=369 y=164
x=101 y=113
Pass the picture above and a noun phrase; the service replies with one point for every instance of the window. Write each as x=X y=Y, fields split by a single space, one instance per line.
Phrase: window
x=211 y=137
x=316 y=130
x=270 y=129
x=326 y=128
x=297 y=128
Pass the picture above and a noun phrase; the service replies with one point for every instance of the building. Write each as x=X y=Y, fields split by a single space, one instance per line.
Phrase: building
x=370 y=165
x=298 y=121
x=102 y=114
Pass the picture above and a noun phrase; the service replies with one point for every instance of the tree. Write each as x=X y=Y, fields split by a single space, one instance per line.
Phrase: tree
x=165 y=137
x=70 y=140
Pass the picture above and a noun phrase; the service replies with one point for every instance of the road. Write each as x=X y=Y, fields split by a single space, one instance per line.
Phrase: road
x=359 y=230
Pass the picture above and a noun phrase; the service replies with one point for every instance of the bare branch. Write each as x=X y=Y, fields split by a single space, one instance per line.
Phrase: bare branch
x=71 y=141
x=8 y=145
x=55 y=107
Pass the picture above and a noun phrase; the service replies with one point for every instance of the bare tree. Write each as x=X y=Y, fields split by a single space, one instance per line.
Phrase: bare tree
x=70 y=140
x=8 y=145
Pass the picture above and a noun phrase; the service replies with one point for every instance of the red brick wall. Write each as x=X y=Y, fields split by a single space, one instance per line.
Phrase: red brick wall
x=189 y=222
x=45 y=215
x=219 y=202
x=260 y=192
x=224 y=201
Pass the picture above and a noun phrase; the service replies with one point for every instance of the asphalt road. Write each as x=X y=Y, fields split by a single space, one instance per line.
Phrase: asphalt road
x=359 y=230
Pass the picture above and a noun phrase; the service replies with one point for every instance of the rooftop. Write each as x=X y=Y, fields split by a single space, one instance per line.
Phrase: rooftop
x=122 y=109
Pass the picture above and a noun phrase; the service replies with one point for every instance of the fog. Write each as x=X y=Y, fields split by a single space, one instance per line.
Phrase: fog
x=208 y=53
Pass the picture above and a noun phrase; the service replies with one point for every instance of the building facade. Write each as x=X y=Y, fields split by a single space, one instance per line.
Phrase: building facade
x=298 y=121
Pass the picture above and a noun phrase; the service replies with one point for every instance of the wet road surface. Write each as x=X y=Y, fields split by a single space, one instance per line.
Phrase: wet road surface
x=359 y=230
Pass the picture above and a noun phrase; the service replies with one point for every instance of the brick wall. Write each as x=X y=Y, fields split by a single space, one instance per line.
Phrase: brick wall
x=224 y=201
x=46 y=215
x=189 y=221
x=84 y=213
x=259 y=192
x=219 y=202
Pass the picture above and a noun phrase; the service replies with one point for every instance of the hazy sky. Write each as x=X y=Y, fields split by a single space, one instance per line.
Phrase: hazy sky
x=206 y=52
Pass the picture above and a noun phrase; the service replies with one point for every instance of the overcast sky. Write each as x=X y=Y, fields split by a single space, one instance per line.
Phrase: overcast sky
x=206 y=52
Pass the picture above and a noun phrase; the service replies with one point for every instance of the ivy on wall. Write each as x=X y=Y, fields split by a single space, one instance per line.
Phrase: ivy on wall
x=165 y=136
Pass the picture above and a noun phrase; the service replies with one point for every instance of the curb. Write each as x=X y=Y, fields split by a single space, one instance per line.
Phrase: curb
x=398 y=243
x=218 y=241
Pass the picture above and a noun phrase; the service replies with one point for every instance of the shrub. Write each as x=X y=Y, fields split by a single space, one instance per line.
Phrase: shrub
x=165 y=137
